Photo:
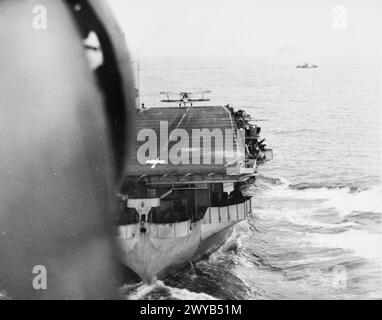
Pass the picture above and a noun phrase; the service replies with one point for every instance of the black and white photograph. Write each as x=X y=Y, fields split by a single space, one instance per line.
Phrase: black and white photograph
x=210 y=152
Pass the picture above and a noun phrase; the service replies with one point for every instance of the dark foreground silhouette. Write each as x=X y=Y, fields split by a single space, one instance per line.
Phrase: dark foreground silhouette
x=64 y=132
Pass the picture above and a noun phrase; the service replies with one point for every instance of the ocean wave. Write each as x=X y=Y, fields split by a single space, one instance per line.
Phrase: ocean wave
x=184 y=294
x=4 y=295
x=361 y=243
x=273 y=180
x=144 y=290
x=348 y=202
x=344 y=198
x=320 y=185
x=362 y=217
x=331 y=215
x=298 y=233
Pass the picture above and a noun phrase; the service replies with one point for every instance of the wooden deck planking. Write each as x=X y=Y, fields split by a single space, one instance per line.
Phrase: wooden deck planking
x=211 y=117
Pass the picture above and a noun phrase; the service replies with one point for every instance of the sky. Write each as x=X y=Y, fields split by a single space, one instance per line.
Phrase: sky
x=156 y=27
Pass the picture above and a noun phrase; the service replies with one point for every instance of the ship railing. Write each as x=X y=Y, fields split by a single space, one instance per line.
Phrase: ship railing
x=162 y=230
x=234 y=212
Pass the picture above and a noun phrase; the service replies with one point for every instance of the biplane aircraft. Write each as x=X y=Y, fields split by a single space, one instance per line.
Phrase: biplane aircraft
x=185 y=97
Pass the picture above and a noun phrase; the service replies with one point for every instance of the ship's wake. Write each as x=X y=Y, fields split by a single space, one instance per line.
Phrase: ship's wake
x=159 y=290
x=299 y=239
x=302 y=235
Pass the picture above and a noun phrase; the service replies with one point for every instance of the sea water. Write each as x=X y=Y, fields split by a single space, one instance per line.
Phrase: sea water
x=316 y=227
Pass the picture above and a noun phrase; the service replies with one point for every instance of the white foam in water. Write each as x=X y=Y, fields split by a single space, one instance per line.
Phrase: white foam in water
x=365 y=201
x=235 y=238
x=142 y=290
x=302 y=217
x=184 y=294
x=181 y=294
x=361 y=243
x=341 y=199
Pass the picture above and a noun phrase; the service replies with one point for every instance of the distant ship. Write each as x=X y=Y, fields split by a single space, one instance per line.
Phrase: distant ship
x=306 y=66
x=179 y=206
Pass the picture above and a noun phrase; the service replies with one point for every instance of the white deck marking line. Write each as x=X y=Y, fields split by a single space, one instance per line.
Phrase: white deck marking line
x=158 y=161
x=180 y=121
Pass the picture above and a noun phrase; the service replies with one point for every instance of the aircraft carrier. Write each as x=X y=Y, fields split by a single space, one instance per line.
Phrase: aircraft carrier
x=185 y=184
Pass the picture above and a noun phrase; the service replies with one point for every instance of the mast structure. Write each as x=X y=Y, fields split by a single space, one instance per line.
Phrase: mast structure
x=138 y=68
x=139 y=87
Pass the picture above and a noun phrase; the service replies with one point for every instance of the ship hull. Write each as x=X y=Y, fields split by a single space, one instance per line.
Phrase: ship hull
x=152 y=258
x=163 y=249
x=212 y=243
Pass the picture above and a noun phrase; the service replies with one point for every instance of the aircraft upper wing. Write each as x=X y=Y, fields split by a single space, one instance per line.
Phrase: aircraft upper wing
x=169 y=92
x=188 y=100
x=200 y=92
x=172 y=100
x=198 y=100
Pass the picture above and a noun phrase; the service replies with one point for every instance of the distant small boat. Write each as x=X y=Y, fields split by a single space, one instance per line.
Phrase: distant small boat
x=306 y=66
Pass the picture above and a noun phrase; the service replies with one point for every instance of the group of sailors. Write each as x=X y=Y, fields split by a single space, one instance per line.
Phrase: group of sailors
x=127 y=215
x=254 y=148
x=176 y=214
x=222 y=199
